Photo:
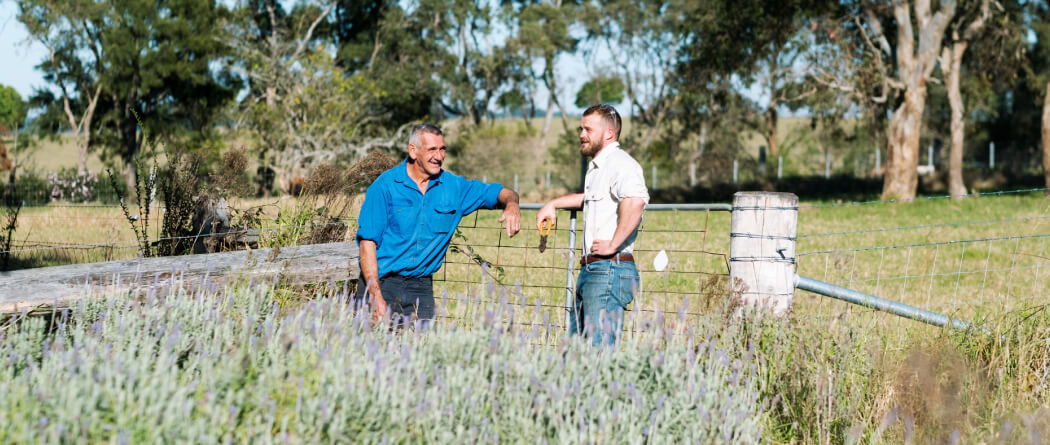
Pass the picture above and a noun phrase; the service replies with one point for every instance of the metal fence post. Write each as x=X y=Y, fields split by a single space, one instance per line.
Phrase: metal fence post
x=570 y=283
x=762 y=250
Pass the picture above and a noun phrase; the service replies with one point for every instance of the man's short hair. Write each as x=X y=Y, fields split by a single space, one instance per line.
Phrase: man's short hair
x=416 y=137
x=608 y=114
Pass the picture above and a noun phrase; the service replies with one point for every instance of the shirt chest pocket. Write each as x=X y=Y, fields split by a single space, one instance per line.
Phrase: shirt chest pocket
x=594 y=196
x=443 y=219
x=402 y=214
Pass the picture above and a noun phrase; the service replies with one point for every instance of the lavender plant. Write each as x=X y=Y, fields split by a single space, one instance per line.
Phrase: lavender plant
x=229 y=366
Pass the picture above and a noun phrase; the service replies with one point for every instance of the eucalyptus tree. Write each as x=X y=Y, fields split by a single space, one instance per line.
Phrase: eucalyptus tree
x=140 y=67
x=640 y=42
x=905 y=58
x=1038 y=74
x=600 y=89
x=74 y=65
x=12 y=116
x=540 y=31
x=763 y=43
x=970 y=20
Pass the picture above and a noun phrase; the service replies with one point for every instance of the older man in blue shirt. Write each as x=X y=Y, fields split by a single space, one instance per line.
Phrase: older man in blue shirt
x=407 y=221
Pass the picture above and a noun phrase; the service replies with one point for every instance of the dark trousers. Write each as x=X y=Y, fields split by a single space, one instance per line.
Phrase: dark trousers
x=406 y=297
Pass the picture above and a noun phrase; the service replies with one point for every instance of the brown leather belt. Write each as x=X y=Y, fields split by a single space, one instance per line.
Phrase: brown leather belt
x=588 y=259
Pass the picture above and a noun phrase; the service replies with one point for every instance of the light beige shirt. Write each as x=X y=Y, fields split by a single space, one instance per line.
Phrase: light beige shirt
x=611 y=176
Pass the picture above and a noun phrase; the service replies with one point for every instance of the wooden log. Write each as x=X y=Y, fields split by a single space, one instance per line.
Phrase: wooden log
x=62 y=286
x=762 y=250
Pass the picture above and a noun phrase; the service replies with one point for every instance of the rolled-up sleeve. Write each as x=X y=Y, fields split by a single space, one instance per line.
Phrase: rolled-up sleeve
x=372 y=219
x=630 y=183
x=477 y=194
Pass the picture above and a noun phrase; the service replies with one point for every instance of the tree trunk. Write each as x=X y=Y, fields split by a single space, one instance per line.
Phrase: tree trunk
x=771 y=129
x=902 y=155
x=915 y=63
x=130 y=177
x=951 y=64
x=547 y=120
x=1046 y=137
x=701 y=146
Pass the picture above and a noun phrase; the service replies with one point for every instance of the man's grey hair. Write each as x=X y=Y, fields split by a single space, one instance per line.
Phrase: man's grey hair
x=416 y=137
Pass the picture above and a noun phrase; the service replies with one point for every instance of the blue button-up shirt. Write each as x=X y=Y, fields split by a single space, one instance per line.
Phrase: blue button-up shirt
x=411 y=229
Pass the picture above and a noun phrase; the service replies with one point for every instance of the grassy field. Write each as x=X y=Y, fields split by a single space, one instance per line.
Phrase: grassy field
x=830 y=373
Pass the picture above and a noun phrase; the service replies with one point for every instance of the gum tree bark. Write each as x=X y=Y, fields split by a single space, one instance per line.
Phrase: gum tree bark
x=1046 y=137
x=914 y=64
x=951 y=65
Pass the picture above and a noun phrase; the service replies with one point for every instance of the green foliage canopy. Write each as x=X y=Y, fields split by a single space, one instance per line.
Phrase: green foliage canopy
x=601 y=89
x=12 y=108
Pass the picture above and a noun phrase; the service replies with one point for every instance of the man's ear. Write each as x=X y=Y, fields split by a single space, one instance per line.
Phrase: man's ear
x=412 y=152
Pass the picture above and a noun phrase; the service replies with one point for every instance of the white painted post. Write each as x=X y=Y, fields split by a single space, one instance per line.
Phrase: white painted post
x=878 y=162
x=736 y=169
x=516 y=183
x=548 y=182
x=827 y=165
x=692 y=173
x=654 y=177
x=780 y=167
x=484 y=178
x=929 y=157
x=991 y=155
x=762 y=250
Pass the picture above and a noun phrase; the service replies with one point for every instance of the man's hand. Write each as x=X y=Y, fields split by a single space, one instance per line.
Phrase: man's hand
x=603 y=247
x=375 y=295
x=546 y=212
x=512 y=216
x=379 y=308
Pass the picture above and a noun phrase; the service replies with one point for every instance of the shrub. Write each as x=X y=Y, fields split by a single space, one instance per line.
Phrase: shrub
x=204 y=367
x=70 y=186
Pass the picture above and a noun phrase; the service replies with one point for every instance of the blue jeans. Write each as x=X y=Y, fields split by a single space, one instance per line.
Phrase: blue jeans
x=405 y=296
x=603 y=291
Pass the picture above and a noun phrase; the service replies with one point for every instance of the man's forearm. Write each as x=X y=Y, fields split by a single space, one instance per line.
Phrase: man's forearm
x=506 y=197
x=630 y=215
x=570 y=201
x=369 y=263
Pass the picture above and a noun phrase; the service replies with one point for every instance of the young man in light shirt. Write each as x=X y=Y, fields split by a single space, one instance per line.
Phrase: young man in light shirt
x=613 y=200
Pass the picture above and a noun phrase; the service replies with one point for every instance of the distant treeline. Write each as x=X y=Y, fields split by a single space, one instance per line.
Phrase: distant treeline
x=301 y=83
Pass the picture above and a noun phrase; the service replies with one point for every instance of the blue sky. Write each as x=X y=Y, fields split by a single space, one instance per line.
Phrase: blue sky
x=18 y=56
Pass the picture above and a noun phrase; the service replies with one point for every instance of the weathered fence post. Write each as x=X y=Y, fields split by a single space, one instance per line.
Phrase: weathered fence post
x=762 y=250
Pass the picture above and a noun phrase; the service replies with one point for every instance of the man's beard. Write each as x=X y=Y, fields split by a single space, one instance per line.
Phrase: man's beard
x=591 y=148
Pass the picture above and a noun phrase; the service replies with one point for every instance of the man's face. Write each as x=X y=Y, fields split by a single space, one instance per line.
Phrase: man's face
x=593 y=130
x=430 y=155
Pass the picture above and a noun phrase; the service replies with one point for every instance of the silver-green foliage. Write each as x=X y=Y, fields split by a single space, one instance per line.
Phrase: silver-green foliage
x=209 y=368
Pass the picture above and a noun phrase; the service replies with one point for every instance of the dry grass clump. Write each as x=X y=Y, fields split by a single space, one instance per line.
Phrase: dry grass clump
x=229 y=176
x=368 y=169
x=328 y=201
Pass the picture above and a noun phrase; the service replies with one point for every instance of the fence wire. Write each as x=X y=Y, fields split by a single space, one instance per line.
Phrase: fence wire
x=695 y=278
x=966 y=258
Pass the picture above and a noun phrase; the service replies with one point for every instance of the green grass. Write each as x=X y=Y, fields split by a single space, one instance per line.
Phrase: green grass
x=830 y=373
x=51 y=155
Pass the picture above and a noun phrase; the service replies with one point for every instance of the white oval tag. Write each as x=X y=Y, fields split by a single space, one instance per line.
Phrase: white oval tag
x=660 y=262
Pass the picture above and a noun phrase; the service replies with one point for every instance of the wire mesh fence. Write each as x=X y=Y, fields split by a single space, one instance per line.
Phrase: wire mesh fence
x=695 y=243
x=968 y=258
x=482 y=259
x=965 y=258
